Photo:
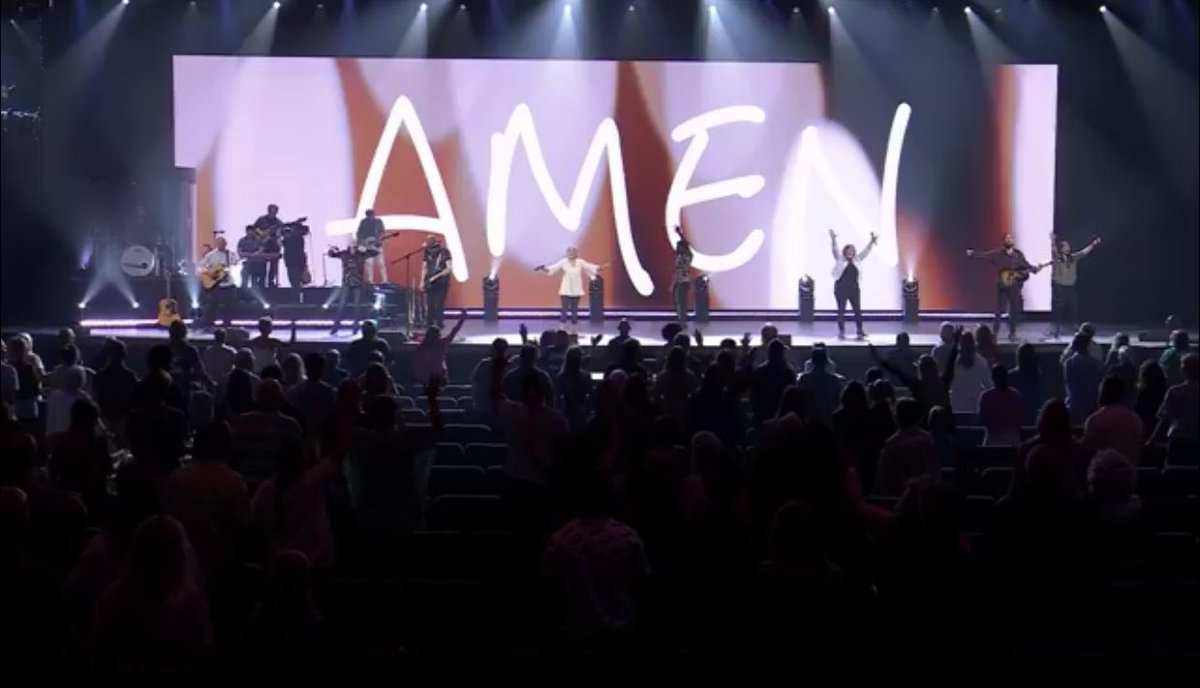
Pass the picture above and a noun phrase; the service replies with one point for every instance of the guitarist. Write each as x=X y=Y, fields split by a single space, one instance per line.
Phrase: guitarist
x=254 y=269
x=435 y=280
x=219 y=299
x=268 y=227
x=1008 y=260
x=370 y=233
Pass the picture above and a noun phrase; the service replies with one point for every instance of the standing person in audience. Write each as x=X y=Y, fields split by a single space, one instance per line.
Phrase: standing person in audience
x=63 y=374
x=80 y=460
x=533 y=431
x=243 y=369
x=481 y=378
x=513 y=381
x=378 y=382
x=160 y=359
x=157 y=431
x=1001 y=411
x=8 y=377
x=1026 y=379
x=770 y=378
x=1082 y=374
x=1114 y=425
x=68 y=389
x=292 y=368
x=114 y=387
x=187 y=369
x=1180 y=415
x=391 y=462
x=1088 y=331
x=429 y=360
x=902 y=355
x=289 y=506
x=716 y=408
x=334 y=373
x=852 y=428
x=265 y=345
x=1172 y=359
x=257 y=434
x=1151 y=390
x=942 y=431
x=674 y=385
x=1056 y=440
x=986 y=346
x=1121 y=362
x=155 y=616
x=210 y=499
x=941 y=350
x=615 y=346
x=906 y=455
x=1112 y=358
x=359 y=351
x=573 y=389
x=931 y=386
x=218 y=356
x=820 y=388
x=29 y=379
x=314 y=398
x=971 y=376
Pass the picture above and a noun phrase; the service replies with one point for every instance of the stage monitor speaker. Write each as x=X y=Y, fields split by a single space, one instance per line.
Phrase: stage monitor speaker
x=702 y=299
x=596 y=300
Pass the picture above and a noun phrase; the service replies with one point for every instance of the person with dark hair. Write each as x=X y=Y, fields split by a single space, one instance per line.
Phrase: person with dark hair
x=1026 y=379
x=1012 y=271
x=946 y=341
x=942 y=430
x=80 y=461
x=155 y=616
x=821 y=388
x=1082 y=374
x=902 y=355
x=1000 y=411
x=931 y=386
x=1151 y=390
x=429 y=360
x=389 y=465
x=481 y=378
x=358 y=353
x=971 y=374
x=573 y=390
x=333 y=372
x=513 y=381
x=1056 y=439
x=1172 y=358
x=852 y=429
x=716 y=409
x=218 y=356
x=437 y=265
x=265 y=345
x=1113 y=425
x=906 y=455
x=986 y=346
x=768 y=380
x=157 y=432
x=532 y=433
x=845 y=281
x=314 y=398
x=1180 y=415
x=289 y=507
x=114 y=385
x=210 y=499
x=159 y=358
x=8 y=377
x=187 y=368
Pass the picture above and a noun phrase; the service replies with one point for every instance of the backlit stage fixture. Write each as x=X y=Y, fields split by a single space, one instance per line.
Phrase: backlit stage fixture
x=807 y=299
x=596 y=300
x=702 y=299
x=491 y=298
x=911 y=293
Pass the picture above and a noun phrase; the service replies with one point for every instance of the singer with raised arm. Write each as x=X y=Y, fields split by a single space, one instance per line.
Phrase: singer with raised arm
x=435 y=280
x=570 y=289
x=682 y=277
x=1012 y=271
x=353 y=258
x=1064 y=301
x=845 y=281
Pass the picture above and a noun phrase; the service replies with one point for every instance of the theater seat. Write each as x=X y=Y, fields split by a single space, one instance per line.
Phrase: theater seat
x=486 y=454
x=1180 y=481
x=466 y=480
x=969 y=435
x=981 y=458
x=451 y=454
x=994 y=482
x=978 y=514
x=468 y=433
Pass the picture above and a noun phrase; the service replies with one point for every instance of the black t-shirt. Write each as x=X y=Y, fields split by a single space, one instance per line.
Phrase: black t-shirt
x=370 y=228
x=436 y=260
x=293 y=243
x=849 y=276
x=271 y=246
x=360 y=349
x=267 y=222
x=247 y=245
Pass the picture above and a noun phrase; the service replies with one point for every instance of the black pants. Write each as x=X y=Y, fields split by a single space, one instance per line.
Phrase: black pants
x=844 y=293
x=343 y=296
x=570 y=308
x=679 y=294
x=218 y=302
x=273 y=273
x=1064 y=304
x=254 y=274
x=294 y=270
x=435 y=305
x=1010 y=296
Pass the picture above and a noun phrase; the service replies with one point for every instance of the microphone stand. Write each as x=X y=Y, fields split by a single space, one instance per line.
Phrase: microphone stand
x=407 y=260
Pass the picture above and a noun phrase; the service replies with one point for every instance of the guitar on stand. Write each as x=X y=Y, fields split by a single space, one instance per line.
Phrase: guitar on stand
x=168 y=307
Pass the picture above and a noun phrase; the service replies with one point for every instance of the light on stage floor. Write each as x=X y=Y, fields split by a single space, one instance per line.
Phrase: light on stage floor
x=491 y=297
x=807 y=308
x=82 y=305
x=135 y=305
x=911 y=291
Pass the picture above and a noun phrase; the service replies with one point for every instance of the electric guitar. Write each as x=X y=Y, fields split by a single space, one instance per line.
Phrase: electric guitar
x=1011 y=277
x=377 y=244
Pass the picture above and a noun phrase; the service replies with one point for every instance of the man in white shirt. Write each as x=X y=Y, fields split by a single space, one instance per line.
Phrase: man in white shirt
x=218 y=358
x=570 y=290
x=219 y=299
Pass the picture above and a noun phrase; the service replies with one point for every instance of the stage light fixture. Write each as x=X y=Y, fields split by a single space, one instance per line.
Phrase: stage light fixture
x=807 y=305
x=796 y=9
x=424 y=7
x=967 y=10
x=135 y=305
x=911 y=294
x=124 y=2
x=266 y=306
x=275 y=4
x=82 y=305
x=832 y=11
x=1103 y=9
x=491 y=298
x=631 y=8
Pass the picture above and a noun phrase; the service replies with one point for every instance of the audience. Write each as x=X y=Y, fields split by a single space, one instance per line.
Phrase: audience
x=429 y=360
x=1113 y=425
x=80 y=460
x=68 y=388
x=1062 y=453
x=1180 y=415
x=970 y=377
x=1026 y=380
x=218 y=356
x=334 y=373
x=573 y=390
x=948 y=339
x=358 y=353
x=770 y=378
x=986 y=346
x=8 y=377
x=29 y=378
x=157 y=432
x=820 y=388
x=513 y=381
x=114 y=385
x=1151 y=390
x=258 y=434
x=314 y=398
x=1001 y=411
x=289 y=507
x=264 y=346
x=902 y=355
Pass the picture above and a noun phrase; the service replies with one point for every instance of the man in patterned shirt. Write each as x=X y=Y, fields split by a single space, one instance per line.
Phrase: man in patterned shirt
x=682 y=278
x=353 y=259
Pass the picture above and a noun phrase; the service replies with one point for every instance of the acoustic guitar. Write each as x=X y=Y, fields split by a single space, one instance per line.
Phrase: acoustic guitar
x=213 y=276
x=1011 y=277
